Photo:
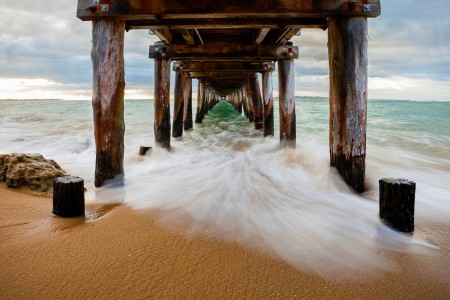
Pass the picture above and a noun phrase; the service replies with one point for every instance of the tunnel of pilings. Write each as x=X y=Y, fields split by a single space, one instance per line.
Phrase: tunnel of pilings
x=225 y=45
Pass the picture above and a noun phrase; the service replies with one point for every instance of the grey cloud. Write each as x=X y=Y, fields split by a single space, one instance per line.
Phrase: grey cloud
x=44 y=39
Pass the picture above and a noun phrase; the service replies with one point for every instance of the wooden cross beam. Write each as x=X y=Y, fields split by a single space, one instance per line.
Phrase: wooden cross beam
x=88 y=10
x=221 y=75
x=220 y=52
x=223 y=66
x=219 y=23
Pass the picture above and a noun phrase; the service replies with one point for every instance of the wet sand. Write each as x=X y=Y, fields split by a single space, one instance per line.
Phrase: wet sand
x=116 y=252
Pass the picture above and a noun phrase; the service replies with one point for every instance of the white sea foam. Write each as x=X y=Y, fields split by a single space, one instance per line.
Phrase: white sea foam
x=286 y=202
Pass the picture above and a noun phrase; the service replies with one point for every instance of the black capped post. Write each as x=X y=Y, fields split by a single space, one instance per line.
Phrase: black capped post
x=68 y=197
x=397 y=198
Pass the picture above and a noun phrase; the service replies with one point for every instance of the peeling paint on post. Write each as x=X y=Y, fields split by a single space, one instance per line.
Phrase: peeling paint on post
x=286 y=79
x=108 y=97
x=347 y=48
x=162 y=102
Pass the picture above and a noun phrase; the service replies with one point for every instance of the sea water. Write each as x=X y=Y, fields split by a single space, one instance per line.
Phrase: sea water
x=235 y=184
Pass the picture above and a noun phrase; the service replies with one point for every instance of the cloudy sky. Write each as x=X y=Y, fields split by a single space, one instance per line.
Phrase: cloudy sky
x=45 y=53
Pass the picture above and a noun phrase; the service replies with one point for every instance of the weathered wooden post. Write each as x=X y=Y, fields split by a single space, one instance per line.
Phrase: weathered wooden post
x=286 y=79
x=347 y=48
x=178 y=107
x=244 y=102
x=68 y=197
x=162 y=96
x=256 y=102
x=249 y=101
x=108 y=97
x=268 y=103
x=238 y=102
x=144 y=149
x=397 y=197
x=188 y=105
x=204 y=106
x=200 y=92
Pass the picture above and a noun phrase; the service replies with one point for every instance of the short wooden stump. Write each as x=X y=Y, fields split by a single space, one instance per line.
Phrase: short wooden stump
x=143 y=150
x=397 y=199
x=68 y=196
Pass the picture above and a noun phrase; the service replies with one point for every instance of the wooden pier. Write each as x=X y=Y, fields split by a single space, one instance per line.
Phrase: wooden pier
x=224 y=44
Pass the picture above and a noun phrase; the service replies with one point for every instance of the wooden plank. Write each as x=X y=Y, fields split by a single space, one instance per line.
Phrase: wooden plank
x=219 y=9
x=286 y=35
x=223 y=52
x=108 y=98
x=187 y=37
x=347 y=52
x=223 y=66
x=164 y=35
x=261 y=35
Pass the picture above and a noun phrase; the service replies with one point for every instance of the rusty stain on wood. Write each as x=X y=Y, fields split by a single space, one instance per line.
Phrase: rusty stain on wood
x=161 y=103
x=108 y=98
x=347 y=49
x=286 y=79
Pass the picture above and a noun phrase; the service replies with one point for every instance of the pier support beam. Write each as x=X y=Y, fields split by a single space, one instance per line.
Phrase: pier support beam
x=257 y=102
x=187 y=115
x=268 y=103
x=286 y=79
x=178 y=106
x=108 y=97
x=347 y=49
x=200 y=92
x=249 y=102
x=162 y=102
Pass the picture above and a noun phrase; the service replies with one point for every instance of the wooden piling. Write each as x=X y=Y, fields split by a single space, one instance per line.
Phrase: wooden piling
x=397 y=197
x=256 y=102
x=187 y=114
x=204 y=103
x=162 y=102
x=108 y=97
x=286 y=79
x=249 y=102
x=68 y=197
x=178 y=106
x=347 y=48
x=268 y=103
x=239 y=105
x=200 y=91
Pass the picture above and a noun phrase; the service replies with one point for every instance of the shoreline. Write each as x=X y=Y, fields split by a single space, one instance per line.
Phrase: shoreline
x=115 y=252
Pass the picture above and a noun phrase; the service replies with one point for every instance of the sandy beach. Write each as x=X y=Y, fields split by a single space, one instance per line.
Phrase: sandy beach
x=115 y=252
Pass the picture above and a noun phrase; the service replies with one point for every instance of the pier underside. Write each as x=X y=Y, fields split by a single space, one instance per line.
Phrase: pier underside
x=225 y=44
